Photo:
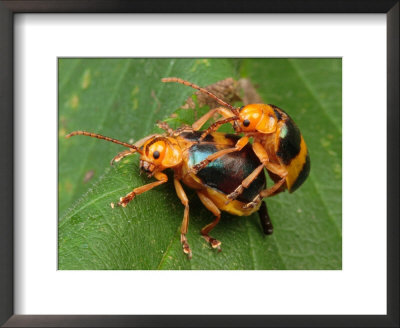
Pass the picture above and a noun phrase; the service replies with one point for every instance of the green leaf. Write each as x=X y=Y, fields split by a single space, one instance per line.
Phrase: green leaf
x=123 y=99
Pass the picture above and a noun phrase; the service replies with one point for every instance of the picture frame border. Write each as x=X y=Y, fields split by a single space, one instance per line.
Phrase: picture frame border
x=7 y=11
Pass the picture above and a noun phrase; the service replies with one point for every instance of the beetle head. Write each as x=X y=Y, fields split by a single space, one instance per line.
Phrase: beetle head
x=256 y=118
x=160 y=153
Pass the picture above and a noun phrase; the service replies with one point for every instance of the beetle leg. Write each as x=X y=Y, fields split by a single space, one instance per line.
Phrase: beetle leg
x=274 y=168
x=202 y=120
x=215 y=126
x=246 y=182
x=139 y=190
x=185 y=223
x=239 y=145
x=274 y=190
x=277 y=169
x=121 y=155
x=262 y=155
x=209 y=204
x=164 y=125
x=254 y=202
x=265 y=219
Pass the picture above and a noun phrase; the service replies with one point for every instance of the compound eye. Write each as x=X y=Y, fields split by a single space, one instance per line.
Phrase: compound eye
x=156 y=154
x=157 y=151
x=246 y=123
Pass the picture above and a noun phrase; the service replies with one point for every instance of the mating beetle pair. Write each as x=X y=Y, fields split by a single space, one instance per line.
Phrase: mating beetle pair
x=180 y=151
x=278 y=143
x=223 y=169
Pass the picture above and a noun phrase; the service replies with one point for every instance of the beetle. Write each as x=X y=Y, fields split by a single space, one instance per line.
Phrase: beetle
x=277 y=142
x=180 y=150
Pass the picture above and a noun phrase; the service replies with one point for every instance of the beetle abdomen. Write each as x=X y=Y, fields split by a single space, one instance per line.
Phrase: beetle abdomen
x=302 y=176
x=226 y=173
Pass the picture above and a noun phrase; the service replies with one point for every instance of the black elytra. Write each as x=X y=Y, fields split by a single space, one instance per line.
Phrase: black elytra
x=227 y=172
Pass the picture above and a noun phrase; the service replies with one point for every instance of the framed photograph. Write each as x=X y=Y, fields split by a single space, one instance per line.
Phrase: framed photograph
x=202 y=116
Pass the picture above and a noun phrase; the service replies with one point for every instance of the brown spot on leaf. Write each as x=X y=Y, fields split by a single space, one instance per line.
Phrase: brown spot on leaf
x=229 y=90
x=88 y=175
x=226 y=89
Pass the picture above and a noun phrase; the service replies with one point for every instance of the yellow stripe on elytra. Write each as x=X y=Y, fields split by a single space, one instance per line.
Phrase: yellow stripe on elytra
x=220 y=139
x=296 y=165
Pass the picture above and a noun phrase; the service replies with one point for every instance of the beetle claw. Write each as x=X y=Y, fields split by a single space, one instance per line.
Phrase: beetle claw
x=187 y=251
x=253 y=203
x=123 y=201
x=214 y=243
x=186 y=247
x=250 y=205
x=196 y=168
x=234 y=194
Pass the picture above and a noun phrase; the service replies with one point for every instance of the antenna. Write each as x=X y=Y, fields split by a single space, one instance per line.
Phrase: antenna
x=99 y=136
x=195 y=86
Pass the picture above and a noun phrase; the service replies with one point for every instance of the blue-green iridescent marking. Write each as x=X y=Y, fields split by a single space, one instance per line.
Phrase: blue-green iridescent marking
x=199 y=153
x=226 y=173
x=283 y=132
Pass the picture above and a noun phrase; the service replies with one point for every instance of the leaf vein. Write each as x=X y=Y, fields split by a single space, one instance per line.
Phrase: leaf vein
x=62 y=221
x=330 y=215
x=167 y=250
x=90 y=146
x=313 y=93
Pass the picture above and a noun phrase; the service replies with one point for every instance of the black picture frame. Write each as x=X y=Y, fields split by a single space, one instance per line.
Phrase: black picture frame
x=7 y=199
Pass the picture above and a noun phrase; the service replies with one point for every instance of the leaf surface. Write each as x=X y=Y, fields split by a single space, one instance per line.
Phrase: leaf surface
x=123 y=99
